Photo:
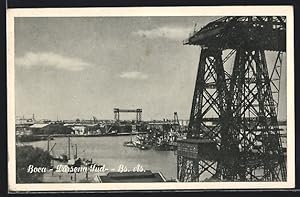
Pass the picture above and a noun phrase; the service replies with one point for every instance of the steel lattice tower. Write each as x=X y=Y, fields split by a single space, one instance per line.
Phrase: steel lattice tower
x=233 y=132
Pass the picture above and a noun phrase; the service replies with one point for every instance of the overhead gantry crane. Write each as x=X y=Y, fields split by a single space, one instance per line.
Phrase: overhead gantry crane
x=244 y=144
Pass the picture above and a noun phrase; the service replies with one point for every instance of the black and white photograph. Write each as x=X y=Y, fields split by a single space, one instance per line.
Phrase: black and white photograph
x=150 y=98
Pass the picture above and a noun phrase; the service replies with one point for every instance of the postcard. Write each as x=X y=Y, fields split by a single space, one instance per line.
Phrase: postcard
x=150 y=98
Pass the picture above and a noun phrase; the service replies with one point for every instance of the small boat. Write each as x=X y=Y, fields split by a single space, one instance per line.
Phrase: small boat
x=143 y=147
x=113 y=132
x=61 y=158
x=129 y=144
x=164 y=146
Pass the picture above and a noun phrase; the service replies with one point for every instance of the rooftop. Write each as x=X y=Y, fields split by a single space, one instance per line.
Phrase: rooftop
x=38 y=126
x=136 y=177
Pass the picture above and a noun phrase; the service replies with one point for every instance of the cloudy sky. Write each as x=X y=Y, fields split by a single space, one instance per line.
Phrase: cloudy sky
x=82 y=67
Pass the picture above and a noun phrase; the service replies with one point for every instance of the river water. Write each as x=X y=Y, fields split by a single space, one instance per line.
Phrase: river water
x=109 y=151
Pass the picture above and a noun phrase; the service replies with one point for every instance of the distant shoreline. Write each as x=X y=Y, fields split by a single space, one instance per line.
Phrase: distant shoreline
x=32 y=138
x=102 y=135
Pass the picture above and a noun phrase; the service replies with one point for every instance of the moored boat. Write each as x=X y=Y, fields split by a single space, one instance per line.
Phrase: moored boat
x=129 y=144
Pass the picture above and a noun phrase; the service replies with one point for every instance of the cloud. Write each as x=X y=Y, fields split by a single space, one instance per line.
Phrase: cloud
x=52 y=60
x=172 y=33
x=133 y=75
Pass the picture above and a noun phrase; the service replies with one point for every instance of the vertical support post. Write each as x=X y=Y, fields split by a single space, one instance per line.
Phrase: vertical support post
x=209 y=101
x=75 y=151
x=69 y=144
x=117 y=114
x=48 y=144
x=276 y=78
x=255 y=119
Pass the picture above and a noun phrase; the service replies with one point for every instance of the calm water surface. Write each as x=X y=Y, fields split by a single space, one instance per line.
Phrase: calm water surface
x=110 y=151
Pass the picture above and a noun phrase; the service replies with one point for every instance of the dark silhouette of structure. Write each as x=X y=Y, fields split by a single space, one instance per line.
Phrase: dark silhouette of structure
x=137 y=111
x=233 y=131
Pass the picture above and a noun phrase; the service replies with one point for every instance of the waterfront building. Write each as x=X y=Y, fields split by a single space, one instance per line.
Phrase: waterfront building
x=131 y=177
x=49 y=129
